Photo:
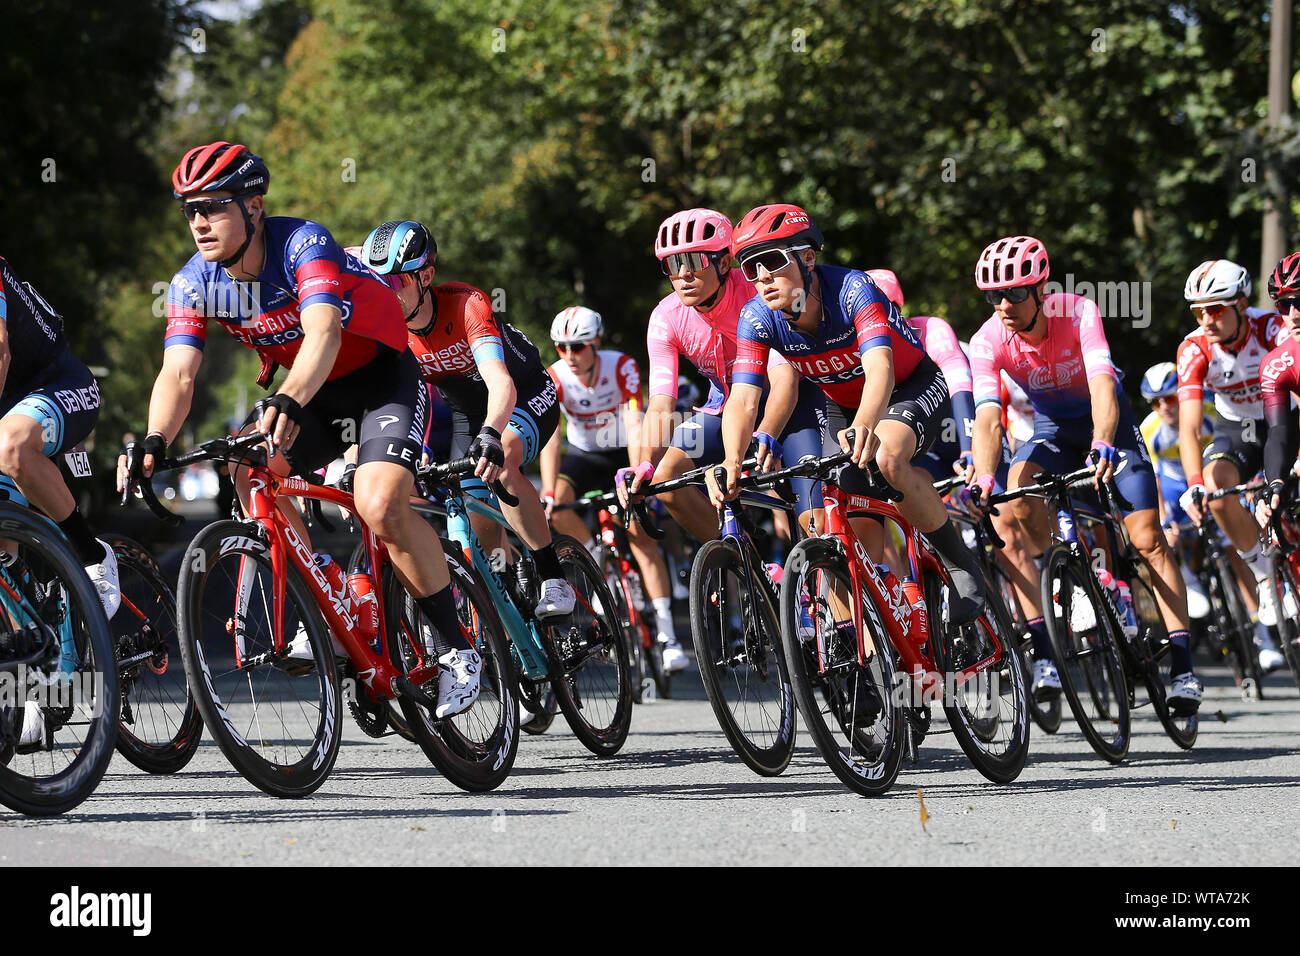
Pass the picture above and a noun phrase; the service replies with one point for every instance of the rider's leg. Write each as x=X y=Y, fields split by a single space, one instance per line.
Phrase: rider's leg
x=1171 y=592
x=1236 y=522
x=654 y=574
x=689 y=507
x=569 y=521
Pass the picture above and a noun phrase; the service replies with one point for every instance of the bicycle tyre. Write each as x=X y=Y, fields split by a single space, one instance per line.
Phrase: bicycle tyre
x=476 y=748
x=1097 y=648
x=976 y=733
x=1242 y=631
x=47 y=556
x=866 y=760
x=1181 y=730
x=160 y=726
x=301 y=751
x=611 y=567
x=1288 y=588
x=745 y=675
x=541 y=721
x=587 y=656
x=1046 y=714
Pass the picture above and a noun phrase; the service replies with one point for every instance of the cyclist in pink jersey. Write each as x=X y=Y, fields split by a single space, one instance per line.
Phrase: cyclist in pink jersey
x=699 y=320
x=1279 y=379
x=1054 y=347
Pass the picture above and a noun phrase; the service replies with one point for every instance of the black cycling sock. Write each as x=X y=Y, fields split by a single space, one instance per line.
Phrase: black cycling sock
x=546 y=562
x=1180 y=656
x=1042 y=644
x=440 y=610
x=947 y=541
x=967 y=592
x=74 y=527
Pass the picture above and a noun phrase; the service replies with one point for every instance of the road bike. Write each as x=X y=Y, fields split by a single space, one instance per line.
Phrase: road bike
x=253 y=600
x=583 y=657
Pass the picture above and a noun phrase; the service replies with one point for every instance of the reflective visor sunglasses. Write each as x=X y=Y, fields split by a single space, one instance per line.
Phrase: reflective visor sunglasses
x=1286 y=305
x=773 y=260
x=205 y=207
x=577 y=348
x=690 y=261
x=1211 y=311
x=1015 y=295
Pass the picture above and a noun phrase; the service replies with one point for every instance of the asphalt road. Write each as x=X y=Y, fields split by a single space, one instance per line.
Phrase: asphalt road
x=676 y=795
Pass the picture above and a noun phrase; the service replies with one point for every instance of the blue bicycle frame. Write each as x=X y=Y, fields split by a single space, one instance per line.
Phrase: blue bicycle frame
x=525 y=636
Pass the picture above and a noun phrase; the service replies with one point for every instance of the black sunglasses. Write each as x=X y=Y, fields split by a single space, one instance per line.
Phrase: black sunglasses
x=577 y=348
x=1015 y=295
x=1286 y=305
x=206 y=207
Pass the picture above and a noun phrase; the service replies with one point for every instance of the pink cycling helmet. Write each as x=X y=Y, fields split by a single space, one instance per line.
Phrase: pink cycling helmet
x=1013 y=261
x=887 y=283
x=693 y=230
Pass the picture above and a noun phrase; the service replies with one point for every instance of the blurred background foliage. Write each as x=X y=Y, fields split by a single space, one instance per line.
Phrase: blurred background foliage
x=544 y=141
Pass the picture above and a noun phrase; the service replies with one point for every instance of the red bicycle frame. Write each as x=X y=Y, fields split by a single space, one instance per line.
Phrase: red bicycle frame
x=375 y=668
x=609 y=538
x=906 y=617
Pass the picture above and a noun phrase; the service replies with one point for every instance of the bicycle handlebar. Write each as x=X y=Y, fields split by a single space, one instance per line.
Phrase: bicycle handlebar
x=242 y=448
x=441 y=473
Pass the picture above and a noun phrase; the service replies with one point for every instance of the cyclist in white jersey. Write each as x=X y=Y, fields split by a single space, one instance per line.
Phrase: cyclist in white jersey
x=600 y=394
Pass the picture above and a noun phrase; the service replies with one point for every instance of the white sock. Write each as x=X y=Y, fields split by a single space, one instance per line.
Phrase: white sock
x=1259 y=564
x=664 y=619
x=1263 y=639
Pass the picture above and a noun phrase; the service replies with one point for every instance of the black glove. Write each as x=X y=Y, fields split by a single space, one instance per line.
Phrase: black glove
x=283 y=404
x=487 y=444
x=154 y=444
x=345 y=480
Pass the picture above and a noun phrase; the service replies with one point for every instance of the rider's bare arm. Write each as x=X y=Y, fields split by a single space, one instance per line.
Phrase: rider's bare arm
x=322 y=326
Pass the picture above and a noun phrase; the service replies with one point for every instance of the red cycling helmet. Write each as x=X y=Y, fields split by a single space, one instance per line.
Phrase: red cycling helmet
x=1285 y=280
x=778 y=224
x=220 y=166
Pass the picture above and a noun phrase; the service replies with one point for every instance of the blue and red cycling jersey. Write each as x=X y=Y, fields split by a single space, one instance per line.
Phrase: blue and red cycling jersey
x=304 y=266
x=856 y=318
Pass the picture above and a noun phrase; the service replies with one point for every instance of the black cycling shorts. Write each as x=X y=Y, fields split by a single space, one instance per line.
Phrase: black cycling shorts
x=535 y=418
x=592 y=470
x=63 y=397
x=382 y=406
x=1240 y=443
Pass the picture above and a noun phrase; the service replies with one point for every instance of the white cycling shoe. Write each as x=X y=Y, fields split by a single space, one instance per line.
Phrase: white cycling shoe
x=458 y=682
x=557 y=599
x=1270 y=659
x=1185 y=694
x=34 y=735
x=107 y=584
x=674 y=657
x=1047 y=681
x=1267 y=604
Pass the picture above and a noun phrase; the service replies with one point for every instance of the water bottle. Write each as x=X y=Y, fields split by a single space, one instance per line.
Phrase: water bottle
x=902 y=607
x=333 y=575
x=635 y=593
x=362 y=588
x=914 y=596
x=1121 y=600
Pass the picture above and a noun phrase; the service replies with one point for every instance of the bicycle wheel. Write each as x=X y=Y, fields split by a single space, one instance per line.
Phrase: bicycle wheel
x=1236 y=631
x=587 y=656
x=742 y=666
x=1047 y=713
x=651 y=649
x=612 y=568
x=988 y=708
x=834 y=691
x=1288 y=590
x=56 y=668
x=277 y=719
x=1151 y=634
x=543 y=696
x=160 y=727
x=476 y=748
x=1085 y=641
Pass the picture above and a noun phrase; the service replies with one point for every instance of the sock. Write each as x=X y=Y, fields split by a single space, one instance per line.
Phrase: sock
x=547 y=564
x=74 y=527
x=1042 y=643
x=1180 y=658
x=1259 y=563
x=439 y=610
x=664 y=619
x=947 y=541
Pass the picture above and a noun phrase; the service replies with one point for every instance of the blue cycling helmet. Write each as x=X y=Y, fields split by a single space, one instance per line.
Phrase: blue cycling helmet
x=400 y=245
x=1160 y=380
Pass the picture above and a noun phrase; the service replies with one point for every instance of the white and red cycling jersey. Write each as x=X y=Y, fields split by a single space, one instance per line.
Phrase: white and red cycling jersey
x=594 y=414
x=1234 y=376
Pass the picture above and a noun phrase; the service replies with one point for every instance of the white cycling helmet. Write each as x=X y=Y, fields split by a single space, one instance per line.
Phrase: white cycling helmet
x=1160 y=380
x=578 y=324
x=1216 y=280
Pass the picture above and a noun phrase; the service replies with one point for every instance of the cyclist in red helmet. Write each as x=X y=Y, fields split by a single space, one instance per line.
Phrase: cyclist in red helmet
x=841 y=332
x=1279 y=379
x=285 y=288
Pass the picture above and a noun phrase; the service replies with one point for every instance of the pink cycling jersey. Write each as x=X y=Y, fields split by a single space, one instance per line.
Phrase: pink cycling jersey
x=1055 y=372
x=707 y=339
x=941 y=344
